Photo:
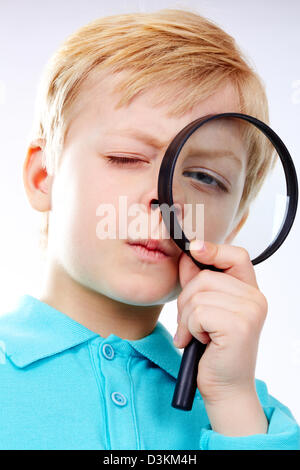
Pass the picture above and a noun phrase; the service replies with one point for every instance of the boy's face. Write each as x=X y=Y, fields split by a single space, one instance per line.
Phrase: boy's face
x=86 y=179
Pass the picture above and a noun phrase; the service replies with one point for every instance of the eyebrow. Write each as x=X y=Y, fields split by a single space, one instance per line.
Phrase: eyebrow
x=157 y=144
x=143 y=137
x=218 y=154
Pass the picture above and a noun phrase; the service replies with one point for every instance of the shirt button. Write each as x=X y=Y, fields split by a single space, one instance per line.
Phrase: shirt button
x=108 y=351
x=119 y=399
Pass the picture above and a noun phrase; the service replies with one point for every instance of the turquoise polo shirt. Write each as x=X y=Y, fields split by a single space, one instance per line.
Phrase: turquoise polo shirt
x=64 y=386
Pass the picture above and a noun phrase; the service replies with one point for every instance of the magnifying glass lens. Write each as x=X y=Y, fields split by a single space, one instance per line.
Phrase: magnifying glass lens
x=229 y=186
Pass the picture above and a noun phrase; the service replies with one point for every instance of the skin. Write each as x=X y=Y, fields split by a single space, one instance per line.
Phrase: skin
x=215 y=150
x=225 y=310
x=103 y=285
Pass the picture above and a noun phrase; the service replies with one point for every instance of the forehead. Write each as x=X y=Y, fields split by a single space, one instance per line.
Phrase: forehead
x=95 y=107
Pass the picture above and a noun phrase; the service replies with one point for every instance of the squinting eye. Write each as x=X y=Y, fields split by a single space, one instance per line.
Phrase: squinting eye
x=122 y=160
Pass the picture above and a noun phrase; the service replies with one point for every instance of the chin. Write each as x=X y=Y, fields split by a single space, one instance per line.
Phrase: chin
x=140 y=296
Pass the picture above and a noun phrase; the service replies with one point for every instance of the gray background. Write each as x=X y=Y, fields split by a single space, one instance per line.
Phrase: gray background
x=268 y=32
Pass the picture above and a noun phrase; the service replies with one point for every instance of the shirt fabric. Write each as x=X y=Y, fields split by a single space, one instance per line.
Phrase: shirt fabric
x=63 y=386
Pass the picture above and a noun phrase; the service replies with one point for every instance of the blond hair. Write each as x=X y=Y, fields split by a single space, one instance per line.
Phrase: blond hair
x=173 y=47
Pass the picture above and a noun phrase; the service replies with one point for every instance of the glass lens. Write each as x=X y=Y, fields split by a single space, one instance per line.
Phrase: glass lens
x=229 y=186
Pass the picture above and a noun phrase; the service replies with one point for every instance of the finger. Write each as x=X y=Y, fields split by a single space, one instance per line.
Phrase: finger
x=207 y=280
x=202 y=322
x=236 y=304
x=234 y=260
x=237 y=311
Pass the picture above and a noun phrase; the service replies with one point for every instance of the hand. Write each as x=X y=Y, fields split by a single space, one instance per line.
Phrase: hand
x=226 y=311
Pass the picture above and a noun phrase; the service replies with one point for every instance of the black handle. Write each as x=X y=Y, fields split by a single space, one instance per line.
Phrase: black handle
x=186 y=383
x=187 y=377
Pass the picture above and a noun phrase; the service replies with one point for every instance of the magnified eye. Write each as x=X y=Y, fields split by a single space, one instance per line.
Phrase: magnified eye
x=206 y=179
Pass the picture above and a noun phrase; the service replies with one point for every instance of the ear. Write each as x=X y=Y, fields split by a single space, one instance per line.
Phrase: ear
x=238 y=227
x=37 y=182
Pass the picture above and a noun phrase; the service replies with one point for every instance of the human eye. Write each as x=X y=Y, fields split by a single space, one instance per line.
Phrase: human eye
x=114 y=160
x=205 y=178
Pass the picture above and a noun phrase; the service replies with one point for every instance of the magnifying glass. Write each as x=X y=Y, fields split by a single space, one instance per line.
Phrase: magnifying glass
x=225 y=178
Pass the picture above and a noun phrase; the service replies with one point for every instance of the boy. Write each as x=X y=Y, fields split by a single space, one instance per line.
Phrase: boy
x=88 y=365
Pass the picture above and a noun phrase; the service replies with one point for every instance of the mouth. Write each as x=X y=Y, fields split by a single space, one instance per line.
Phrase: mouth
x=149 y=249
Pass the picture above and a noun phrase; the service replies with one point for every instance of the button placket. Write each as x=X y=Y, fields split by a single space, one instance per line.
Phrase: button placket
x=108 y=352
x=118 y=391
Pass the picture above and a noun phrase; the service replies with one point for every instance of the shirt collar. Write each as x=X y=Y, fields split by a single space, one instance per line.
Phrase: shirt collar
x=35 y=330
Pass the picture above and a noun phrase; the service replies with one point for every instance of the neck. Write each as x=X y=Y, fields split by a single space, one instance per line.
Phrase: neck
x=94 y=310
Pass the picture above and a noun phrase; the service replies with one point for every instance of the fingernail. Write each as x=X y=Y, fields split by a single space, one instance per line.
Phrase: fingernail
x=197 y=245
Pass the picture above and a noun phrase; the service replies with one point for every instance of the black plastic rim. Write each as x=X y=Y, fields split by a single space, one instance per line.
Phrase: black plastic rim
x=165 y=181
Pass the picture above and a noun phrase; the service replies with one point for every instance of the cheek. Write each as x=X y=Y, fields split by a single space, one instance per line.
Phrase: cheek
x=103 y=265
x=92 y=204
x=77 y=214
x=209 y=219
x=218 y=224
x=219 y=219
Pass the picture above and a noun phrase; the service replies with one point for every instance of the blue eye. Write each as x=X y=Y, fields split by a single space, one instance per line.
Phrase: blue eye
x=206 y=179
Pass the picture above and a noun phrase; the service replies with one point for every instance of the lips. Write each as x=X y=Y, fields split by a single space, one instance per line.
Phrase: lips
x=152 y=245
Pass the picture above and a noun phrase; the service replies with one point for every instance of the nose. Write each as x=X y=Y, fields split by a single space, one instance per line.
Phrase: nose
x=150 y=200
x=154 y=209
x=154 y=204
x=156 y=226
